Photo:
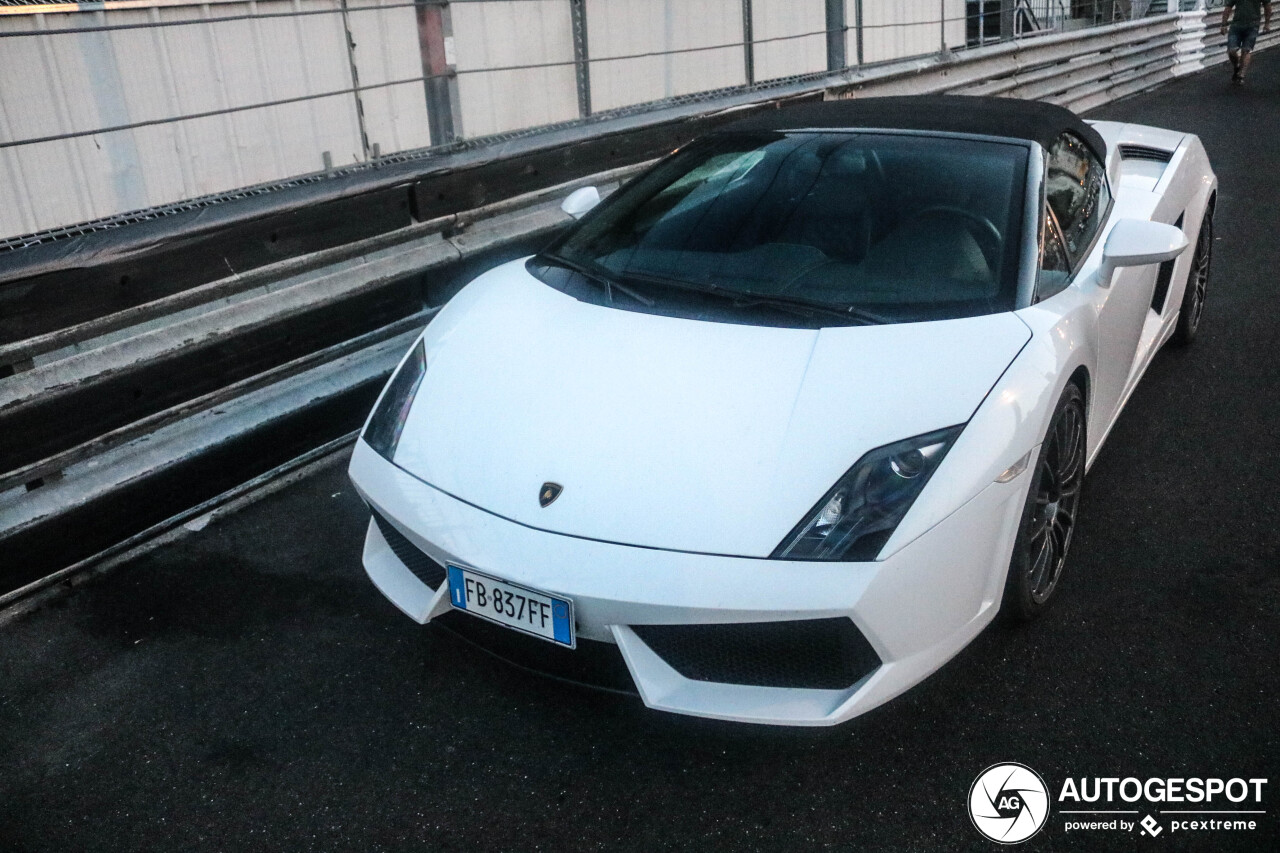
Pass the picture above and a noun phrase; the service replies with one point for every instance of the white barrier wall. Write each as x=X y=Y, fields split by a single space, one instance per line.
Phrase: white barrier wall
x=261 y=91
x=514 y=33
x=385 y=49
x=80 y=81
x=624 y=28
x=782 y=47
x=907 y=28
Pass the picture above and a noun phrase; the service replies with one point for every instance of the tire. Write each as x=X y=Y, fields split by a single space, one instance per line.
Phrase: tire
x=1197 y=284
x=1049 y=514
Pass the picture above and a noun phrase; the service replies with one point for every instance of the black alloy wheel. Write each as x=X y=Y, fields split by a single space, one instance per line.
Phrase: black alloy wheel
x=1197 y=284
x=1049 y=515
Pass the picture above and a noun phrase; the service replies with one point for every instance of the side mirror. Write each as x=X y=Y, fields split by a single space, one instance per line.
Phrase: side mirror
x=580 y=201
x=1137 y=243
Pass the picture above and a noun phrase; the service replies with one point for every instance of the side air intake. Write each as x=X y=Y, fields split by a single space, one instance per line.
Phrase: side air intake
x=415 y=560
x=815 y=654
x=1144 y=152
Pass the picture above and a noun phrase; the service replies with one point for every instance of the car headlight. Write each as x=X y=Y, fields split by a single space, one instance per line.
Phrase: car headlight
x=854 y=520
x=387 y=422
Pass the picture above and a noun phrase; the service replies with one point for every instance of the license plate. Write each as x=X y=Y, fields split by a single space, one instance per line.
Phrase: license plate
x=514 y=606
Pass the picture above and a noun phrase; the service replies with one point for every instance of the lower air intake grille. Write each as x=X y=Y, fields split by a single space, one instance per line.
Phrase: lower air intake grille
x=592 y=663
x=423 y=567
x=821 y=654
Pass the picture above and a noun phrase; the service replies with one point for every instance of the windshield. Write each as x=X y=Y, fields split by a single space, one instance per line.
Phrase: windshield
x=878 y=227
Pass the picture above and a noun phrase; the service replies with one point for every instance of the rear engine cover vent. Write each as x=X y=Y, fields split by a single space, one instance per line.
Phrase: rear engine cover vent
x=1143 y=152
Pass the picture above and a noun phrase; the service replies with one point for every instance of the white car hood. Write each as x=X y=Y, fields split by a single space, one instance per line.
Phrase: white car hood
x=673 y=433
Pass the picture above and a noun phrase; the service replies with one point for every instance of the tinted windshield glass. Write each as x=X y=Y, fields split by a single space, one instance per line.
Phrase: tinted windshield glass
x=905 y=227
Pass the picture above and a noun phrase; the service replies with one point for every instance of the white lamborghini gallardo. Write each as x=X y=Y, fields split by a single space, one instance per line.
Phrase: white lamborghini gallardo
x=775 y=430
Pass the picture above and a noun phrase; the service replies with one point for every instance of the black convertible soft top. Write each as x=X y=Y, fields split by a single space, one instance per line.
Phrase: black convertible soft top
x=1007 y=117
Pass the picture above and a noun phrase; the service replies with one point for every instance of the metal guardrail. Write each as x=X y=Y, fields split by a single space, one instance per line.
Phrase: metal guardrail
x=1080 y=69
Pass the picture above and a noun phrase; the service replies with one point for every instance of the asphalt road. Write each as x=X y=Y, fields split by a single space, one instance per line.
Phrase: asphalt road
x=248 y=689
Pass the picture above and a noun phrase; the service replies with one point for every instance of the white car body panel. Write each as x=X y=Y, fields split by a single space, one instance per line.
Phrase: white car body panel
x=768 y=418
x=615 y=586
x=1128 y=334
x=525 y=385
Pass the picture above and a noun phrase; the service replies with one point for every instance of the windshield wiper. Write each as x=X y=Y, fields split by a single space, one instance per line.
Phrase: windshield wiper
x=595 y=277
x=748 y=299
x=847 y=312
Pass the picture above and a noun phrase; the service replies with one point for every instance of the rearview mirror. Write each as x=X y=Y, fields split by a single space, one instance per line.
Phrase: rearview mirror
x=580 y=201
x=1137 y=243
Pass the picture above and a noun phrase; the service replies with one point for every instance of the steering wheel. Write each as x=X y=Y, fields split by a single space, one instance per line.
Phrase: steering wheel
x=985 y=231
x=877 y=168
x=992 y=232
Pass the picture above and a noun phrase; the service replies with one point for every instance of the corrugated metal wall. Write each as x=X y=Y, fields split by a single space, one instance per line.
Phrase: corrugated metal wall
x=790 y=37
x=507 y=33
x=628 y=28
x=71 y=82
x=258 y=91
x=908 y=28
x=385 y=49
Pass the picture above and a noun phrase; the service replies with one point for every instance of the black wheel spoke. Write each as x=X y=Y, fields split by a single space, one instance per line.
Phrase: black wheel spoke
x=1070 y=470
x=1039 y=524
x=1061 y=529
x=1044 y=558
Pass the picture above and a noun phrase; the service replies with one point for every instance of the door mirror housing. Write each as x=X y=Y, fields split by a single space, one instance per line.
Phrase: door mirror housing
x=580 y=201
x=1137 y=243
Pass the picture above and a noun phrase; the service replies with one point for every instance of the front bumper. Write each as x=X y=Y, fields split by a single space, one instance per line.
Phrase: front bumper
x=915 y=609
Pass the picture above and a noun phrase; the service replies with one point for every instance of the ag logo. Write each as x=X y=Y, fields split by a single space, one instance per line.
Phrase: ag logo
x=1008 y=803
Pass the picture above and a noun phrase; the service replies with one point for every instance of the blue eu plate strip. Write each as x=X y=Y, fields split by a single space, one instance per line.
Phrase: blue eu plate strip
x=560 y=621
x=457 y=589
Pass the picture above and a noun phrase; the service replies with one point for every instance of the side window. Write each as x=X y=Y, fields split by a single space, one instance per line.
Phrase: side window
x=1055 y=266
x=1076 y=188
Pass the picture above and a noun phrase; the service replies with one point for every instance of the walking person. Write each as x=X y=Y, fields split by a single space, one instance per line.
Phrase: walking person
x=1243 y=33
